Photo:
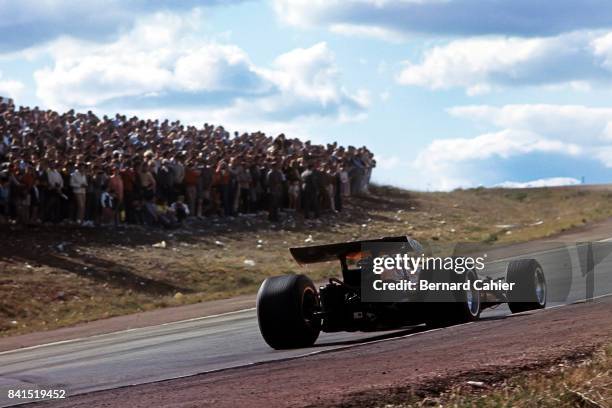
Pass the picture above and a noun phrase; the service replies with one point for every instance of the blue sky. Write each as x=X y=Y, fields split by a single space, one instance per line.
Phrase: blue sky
x=447 y=93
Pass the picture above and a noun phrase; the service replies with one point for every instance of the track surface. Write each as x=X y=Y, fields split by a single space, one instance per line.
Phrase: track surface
x=220 y=342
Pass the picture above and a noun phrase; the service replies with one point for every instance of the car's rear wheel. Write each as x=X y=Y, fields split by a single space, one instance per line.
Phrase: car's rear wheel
x=455 y=308
x=286 y=307
x=529 y=290
x=469 y=301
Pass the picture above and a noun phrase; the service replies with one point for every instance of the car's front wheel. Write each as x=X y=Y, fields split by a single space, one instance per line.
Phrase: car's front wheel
x=529 y=285
x=286 y=307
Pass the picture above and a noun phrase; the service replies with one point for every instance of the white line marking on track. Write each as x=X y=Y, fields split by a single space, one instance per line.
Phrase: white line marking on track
x=547 y=251
x=194 y=319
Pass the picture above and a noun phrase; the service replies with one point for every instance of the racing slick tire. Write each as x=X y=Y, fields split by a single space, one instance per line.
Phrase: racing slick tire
x=457 y=308
x=285 y=312
x=529 y=291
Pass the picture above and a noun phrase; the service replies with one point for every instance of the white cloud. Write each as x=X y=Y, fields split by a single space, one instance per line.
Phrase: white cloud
x=545 y=182
x=160 y=62
x=570 y=123
x=381 y=33
x=156 y=56
x=447 y=17
x=562 y=132
x=10 y=88
x=603 y=154
x=306 y=84
x=446 y=164
x=312 y=74
x=388 y=162
x=481 y=64
x=215 y=67
x=27 y=23
x=442 y=153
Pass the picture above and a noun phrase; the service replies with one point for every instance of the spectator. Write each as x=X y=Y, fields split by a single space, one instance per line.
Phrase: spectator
x=23 y=184
x=311 y=187
x=330 y=186
x=345 y=186
x=222 y=183
x=144 y=164
x=165 y=180
x=243 y=179
x=274 y=181
x=180 y=209
x=147 y=182
x=192 y=175
x=204 y=187
x=4 y=197
x=55 y=184
x=107 y=205
x=35 y=199
x=179 y=175
x=129 y=179
x=294 y=180
x=115 y=189
x=78 y=183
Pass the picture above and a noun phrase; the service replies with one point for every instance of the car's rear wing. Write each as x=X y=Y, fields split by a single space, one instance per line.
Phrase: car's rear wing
x=338 y=251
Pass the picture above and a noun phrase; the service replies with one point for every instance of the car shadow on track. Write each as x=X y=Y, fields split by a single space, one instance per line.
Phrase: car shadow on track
x=395 y=334
x=375 y=337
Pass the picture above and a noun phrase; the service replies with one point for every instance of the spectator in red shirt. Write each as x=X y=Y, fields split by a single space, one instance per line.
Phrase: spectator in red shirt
x=191 y=178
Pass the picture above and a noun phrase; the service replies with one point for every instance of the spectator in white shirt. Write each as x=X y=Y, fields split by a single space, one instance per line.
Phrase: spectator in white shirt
x=78 y=182
x=56 y=184
x=54 y=178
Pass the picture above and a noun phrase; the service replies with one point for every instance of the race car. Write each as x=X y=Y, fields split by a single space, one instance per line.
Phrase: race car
x=291 y=312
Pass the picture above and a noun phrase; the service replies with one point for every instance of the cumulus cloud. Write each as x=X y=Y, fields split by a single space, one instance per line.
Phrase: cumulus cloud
x=544 y=182
x=584 y=125
x=354 y=30
x=26 y=23
x=548 y=134
x=159 y=63
x=442 y=153
x=156 y=56
x=481 y=64
x=308 y=82
x=10 y=88
x=450 y=17
x=390 y=162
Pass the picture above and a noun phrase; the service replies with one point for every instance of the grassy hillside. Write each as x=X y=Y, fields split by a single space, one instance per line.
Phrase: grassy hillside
x=52 y=277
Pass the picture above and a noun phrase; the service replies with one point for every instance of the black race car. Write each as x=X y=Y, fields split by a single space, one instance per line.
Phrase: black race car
x=291 y=312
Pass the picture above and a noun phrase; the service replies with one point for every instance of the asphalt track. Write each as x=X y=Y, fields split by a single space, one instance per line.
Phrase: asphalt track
x=219 y=342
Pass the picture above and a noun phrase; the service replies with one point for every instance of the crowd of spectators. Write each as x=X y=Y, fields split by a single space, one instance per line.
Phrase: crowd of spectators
x=77 y=167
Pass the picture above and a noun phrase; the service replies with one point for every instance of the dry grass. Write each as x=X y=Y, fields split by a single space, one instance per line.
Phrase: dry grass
x=107 y=272
x=587 y=384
